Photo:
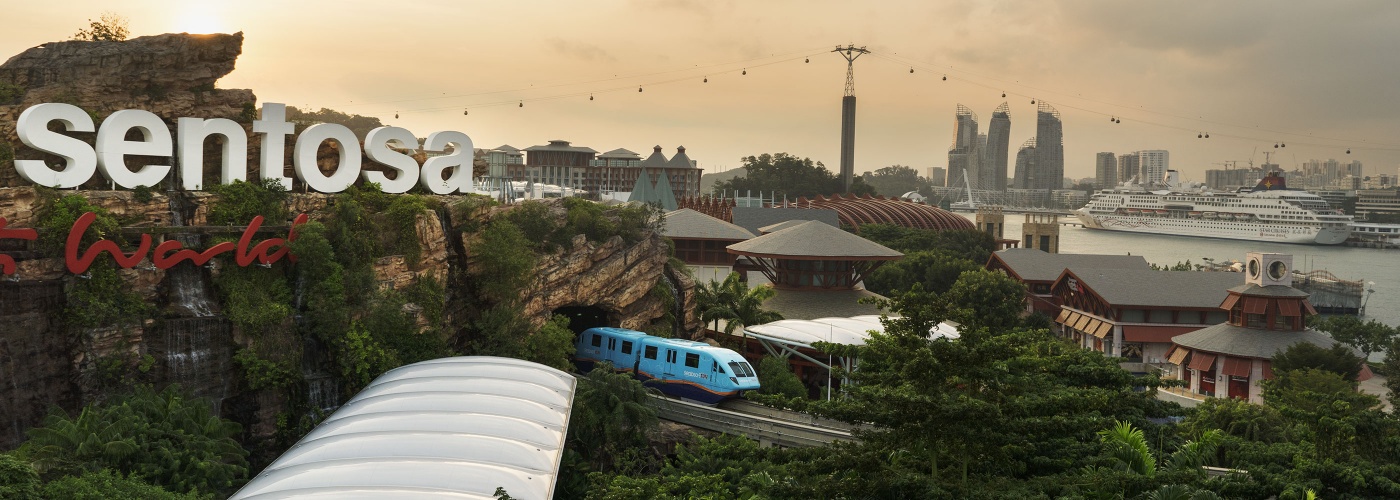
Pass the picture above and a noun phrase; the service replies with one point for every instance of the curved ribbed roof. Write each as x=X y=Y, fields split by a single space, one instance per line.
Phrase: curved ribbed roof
x=849 y=331
x=856 y=211
x=448 y=428
x=814 y=240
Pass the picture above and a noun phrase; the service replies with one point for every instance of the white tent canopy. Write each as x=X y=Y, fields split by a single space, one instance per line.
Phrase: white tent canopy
x=849 y=331
x=447 y=428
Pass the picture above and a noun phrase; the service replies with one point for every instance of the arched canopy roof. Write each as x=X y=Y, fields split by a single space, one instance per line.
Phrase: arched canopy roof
x=448 y=428
x=849 y=331
x=857 y=211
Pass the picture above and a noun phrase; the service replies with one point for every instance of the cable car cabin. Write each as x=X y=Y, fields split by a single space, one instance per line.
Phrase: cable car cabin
x=682 y=368
x=694 y=370
x=605 y=344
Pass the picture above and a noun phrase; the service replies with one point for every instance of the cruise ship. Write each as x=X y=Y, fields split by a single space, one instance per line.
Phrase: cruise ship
x=1268 y=212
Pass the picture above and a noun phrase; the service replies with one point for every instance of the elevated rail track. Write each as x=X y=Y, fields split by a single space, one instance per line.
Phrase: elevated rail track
x=768 y=426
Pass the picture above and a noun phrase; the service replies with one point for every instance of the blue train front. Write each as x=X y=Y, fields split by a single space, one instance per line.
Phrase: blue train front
x=683 y=368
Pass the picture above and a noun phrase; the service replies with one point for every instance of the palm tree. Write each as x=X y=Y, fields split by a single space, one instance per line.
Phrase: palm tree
x=748 y=306
x=1128 y=445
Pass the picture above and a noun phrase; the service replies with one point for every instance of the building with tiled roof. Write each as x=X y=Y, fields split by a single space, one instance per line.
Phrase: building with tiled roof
x=1134 y=313
x=700 y=242
x=583 y=169
x=812 y=255
x=1038 y=270
x=1266 y=316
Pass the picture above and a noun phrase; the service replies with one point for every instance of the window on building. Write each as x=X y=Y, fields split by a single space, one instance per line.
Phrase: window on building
x=1255 y=321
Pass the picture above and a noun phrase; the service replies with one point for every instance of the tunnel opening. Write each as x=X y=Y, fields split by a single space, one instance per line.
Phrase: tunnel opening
x=584 y=317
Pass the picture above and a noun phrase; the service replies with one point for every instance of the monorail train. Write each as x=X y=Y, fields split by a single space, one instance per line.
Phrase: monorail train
x=683 y=368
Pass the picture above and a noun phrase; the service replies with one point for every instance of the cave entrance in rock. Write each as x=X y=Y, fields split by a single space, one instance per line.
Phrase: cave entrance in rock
x=584 y=317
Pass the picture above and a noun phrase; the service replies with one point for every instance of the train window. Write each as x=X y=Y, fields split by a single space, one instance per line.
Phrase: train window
x=670 y=356
x=649 y=352
x=612 y=344
x=692 y=360
x=597 y=340
x=740 y=369
x=627 y=347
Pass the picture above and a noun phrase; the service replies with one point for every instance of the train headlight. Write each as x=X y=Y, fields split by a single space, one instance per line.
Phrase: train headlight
x=734 y=380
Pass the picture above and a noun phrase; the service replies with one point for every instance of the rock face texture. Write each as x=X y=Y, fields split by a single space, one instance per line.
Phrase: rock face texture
x=171 y=75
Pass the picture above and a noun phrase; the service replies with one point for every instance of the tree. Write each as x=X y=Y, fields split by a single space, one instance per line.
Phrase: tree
x=895 y=180
x=1338 y=359
x=774 y=377
x=735 y=302
x=1369 y=337
x=164 y=438
x=981 y=298
x=109 y=27
x=612 y=413
x=105 y=484
x=934 y=270
x=17 y=478
x=786 y=176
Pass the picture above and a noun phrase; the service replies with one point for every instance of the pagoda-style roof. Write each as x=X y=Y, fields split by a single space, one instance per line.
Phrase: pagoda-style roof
x=656 y=160
x=1245 y=342
x=756 y=218
x=1030 y=264
x=814 y=240
x=687 y=223
x=773 y=228
x=507 y=148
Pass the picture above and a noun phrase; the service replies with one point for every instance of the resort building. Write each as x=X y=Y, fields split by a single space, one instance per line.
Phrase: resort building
x=1266 y=315
x=701 y=242
x=583 y=169
x=1039 y=270
x=818 y=269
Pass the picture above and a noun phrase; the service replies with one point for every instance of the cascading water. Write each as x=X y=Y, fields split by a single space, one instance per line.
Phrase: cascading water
x=188 y=293
x=198 y=350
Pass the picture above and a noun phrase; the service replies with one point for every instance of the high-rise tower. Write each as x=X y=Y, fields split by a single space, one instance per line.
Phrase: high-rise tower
x=1106 y=170
x=963 y=157
x=1025 y=165
x=848 y=114
x=998 y=148
x=1049 y=149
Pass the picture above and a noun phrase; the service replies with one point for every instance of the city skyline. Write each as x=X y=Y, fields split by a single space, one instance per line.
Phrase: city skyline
x=1152 y=66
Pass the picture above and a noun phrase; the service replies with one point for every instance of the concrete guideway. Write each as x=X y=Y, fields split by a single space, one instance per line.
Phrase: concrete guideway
x=768 y=426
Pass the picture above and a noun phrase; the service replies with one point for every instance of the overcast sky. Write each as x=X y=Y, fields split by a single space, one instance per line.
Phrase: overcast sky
x=1320 y=77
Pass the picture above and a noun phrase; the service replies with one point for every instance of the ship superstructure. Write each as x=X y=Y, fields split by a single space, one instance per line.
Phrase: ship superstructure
x=1269 y=212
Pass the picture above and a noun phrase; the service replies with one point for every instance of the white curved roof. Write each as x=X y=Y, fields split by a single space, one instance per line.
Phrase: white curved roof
x=850 y=331
x=447 y=428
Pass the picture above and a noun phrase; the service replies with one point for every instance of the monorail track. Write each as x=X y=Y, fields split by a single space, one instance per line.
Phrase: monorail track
x=768 y=426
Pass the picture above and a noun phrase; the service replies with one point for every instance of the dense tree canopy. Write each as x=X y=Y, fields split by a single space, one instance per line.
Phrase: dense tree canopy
x=895 y=180
x=783 y=175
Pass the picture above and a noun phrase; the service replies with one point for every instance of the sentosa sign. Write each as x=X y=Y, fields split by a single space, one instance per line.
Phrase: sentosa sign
x=444 y=174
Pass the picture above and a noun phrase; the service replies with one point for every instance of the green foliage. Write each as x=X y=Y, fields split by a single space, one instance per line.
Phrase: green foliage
x=142 y=194
x=1237 y=418
x=470 y=212
x=970 y=244
x=102 y=298
x=360 y=125
x=552 y=345
x=895 y=180
x=164 y=438
x=402 y=215
x=107 y=485
x=612 y=413
x=545 y=232
x=264 y=373
x=783 y=175
x=1128 y=446
x=1369 y=337
x=393 y=324
x=985 y=299
x=934 y=270
x=17 y=478
x=1338 y=359
x=9 y=94
x=254 y=298
x=327 y=312
x=56 y=218
x=238 y=203
x=361 y=358
x=774 y=377
x=248 y=113
x=504 y=266
x=109 y=27
x=733 y=301
x=1391 y=367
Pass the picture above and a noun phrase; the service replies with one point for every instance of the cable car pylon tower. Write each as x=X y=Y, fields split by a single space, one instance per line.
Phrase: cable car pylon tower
x=848 y=113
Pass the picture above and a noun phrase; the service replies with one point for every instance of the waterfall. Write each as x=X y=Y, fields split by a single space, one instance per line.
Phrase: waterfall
x=198 y=356
x=677 y=306
x=189 y=294
x=322 y=393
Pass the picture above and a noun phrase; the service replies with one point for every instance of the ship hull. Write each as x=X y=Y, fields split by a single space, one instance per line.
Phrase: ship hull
x=1233 y=230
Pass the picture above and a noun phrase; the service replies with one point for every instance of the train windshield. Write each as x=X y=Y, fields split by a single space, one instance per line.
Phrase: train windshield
x=740 y=369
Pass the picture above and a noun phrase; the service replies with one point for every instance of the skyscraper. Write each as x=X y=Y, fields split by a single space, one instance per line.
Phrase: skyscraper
x=998 y=148
x=1128 y=167
x=964 y=155
x=1153 y=164
x=1049 y=168
x=1025 y=165
x=1106 y=170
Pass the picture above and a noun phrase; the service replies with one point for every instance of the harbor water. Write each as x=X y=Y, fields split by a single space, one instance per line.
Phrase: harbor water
x=1380 y=269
